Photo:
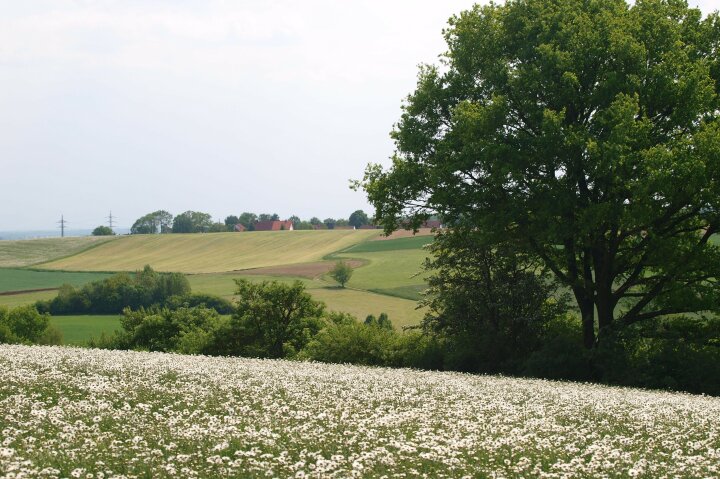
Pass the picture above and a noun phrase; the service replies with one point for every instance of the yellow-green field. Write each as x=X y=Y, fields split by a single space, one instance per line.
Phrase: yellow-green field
x=211 y=253
x=21 y=253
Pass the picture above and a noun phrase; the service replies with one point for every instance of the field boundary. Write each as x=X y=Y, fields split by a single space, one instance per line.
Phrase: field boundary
x=32 y=267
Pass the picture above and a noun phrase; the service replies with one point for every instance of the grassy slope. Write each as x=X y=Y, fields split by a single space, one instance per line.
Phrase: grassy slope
x=18 y=254
x=402 y=312
x=14 y=300
x=77 y=330
x=23 y=279
x=207 y=253
x=394 y=273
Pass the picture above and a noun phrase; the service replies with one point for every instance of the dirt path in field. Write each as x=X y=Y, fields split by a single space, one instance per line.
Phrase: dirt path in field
x=23 y=291
x=305 y=270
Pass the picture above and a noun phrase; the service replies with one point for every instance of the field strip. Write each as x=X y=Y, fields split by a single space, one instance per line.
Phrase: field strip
x=209 y=253
x=24 y=253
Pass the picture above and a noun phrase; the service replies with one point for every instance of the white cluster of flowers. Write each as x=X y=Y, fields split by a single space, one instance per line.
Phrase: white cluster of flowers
x=67 y=412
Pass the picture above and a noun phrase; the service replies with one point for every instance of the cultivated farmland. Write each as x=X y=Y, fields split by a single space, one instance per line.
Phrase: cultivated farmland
x=209 y=253
x=18 y=254
x=90 y=413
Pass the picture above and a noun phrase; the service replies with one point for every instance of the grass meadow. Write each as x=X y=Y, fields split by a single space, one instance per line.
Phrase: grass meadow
x=76 y=330
x=70 y=412
x=211 y=253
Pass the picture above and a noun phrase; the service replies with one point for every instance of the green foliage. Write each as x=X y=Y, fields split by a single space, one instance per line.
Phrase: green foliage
x=103 y=231
x=156 y=222
x=187 y=330
x=113 y=294
x=358 y=218
x=212 y=301
x=586 y=134
x=192 y=222
x=272 y=319
x=341 y=272
x=25 y=324
x=248 y=220
x=492 y=305
x=217 y=228
x=230 y=222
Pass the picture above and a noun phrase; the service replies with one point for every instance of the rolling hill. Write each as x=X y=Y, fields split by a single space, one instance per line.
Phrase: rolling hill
x=211 y=253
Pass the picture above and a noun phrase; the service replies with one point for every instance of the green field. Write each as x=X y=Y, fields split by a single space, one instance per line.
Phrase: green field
x=209 y=253
x=77 y=330
x=18 y=254
x=394 y=273
x=14 y=300
x=413 y=242
x=23 y=279
x=359 y=303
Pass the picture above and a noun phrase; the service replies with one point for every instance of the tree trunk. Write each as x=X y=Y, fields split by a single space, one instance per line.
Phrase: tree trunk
x=587 y=313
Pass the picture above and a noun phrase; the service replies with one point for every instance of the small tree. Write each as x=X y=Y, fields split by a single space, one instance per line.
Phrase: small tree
x=358 y=218
x=103 y=231
x=341 y=273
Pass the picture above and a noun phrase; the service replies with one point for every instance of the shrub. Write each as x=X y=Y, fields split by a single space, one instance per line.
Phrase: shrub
x=189 y=330
x=25 y=324
x=219 y=304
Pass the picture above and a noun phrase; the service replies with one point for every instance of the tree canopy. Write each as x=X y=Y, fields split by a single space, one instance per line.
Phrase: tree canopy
x=103 y=231
x=358 y=218
x=584 y=133
x=192 y=222
x=156 y=222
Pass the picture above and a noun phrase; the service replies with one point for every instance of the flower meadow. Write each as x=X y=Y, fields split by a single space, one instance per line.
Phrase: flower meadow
x=70 y=412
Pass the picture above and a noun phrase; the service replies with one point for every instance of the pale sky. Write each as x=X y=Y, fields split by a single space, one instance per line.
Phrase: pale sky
x=210 y=105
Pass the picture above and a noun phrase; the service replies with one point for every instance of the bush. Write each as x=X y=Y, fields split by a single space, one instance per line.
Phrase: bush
x=219 y=304
x=349 y=341
x=25 y=324
x=188 y=330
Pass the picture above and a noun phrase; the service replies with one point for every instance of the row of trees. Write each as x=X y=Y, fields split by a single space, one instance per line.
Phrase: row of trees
x=197 y=222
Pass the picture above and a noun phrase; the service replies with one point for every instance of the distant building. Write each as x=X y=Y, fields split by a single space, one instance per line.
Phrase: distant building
x=240 y=228
x=436 y=224
x=272 y=225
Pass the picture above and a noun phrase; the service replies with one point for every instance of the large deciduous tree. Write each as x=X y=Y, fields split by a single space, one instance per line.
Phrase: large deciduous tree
x=584 y=133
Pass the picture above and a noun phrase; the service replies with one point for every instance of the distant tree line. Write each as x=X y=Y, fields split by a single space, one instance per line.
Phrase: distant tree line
x=198 y=222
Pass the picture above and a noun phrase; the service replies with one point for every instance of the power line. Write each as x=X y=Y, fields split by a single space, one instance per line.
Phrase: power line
x=62 y=223
x=110 y=219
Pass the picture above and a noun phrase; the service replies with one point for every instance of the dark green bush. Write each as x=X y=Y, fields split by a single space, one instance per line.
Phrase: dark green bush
x=219 y=304
x=26 y=325
x=189 y=330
